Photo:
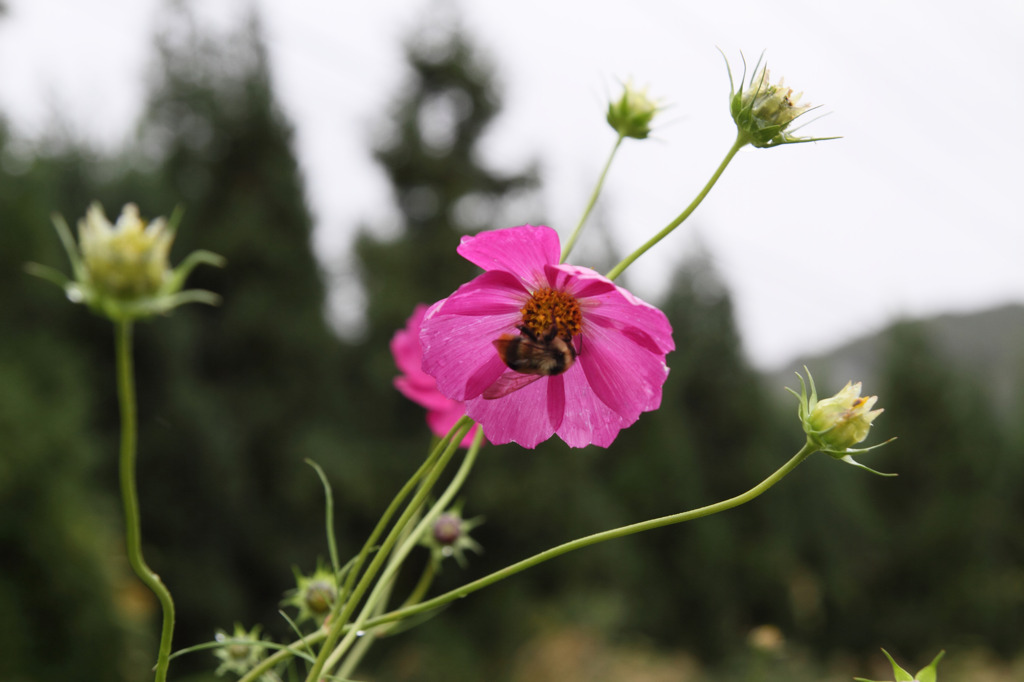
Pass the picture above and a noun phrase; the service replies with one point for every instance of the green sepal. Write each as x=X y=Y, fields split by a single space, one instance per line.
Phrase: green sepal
x=928 y=673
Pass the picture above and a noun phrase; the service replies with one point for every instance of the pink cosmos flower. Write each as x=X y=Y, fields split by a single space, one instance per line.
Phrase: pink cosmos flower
x=420 y=387
x=536 y=348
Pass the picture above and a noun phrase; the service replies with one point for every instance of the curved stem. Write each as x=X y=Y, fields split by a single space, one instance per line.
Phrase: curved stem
x=396 y=502
x=612 y=534
x=130 y=496
x=375 y=600
x=340 y=620
x=593 y=200
x=740 y=142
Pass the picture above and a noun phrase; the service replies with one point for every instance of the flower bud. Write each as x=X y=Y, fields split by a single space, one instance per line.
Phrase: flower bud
x=763 y=111
x=842 y=421
x=129 y=259
x=241 y=650
x=314 y=596
x=834 y=425
x=449 y=536
x=447 y=528
x=632 y=113
x=121 y=270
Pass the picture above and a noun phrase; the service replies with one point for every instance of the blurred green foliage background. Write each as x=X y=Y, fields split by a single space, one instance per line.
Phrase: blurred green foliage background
x=805 y=583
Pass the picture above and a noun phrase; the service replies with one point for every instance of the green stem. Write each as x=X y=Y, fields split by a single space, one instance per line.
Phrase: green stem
x=382 y=523
x=130 y=496
x=424 y=583
x=741 y=141
x=357 y=563
x=612 y=534
x=379 y=592
x=593 y=200
x=339 y=620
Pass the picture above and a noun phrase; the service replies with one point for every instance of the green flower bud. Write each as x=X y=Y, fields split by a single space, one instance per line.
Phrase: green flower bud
x=241 y=651
x=842 y=421
x=449 y=536
x=834 y=425
x=763 y=111
x=314 y=596
x=926 y=674
x=127 y=260
x=631 y=114
x=121 y=270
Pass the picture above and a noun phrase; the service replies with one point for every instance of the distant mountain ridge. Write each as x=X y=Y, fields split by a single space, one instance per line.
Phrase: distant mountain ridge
x=988 y=344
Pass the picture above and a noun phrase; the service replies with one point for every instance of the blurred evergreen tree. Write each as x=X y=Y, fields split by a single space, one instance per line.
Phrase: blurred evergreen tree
x=67 y=605
x=712 y=438
x=430 y=153
x=233 y=398
x=943 y=571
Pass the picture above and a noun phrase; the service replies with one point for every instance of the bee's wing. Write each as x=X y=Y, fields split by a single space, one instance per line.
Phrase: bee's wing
x=508 y=383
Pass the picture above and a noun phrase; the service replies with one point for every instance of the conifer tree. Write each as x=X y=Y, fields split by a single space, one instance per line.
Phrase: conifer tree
x=712 y=436
x=948 y=531
x=60 y=580
x=430 y=153
x=235 y=397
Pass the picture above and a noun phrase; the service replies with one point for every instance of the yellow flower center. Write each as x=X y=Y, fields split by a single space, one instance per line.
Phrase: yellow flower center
x=549 y=309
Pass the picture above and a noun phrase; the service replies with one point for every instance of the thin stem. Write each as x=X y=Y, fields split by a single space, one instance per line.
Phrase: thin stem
x=612 y=534
x=332 y=544
x=382 y=523
x=424 y=583
x=593 y=200
x=340 y=620
x=356 y=563
x=387 y=577
x=130 y=496
x=740 y=142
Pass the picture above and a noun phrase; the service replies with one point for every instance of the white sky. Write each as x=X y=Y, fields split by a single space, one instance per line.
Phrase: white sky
x=914 y=212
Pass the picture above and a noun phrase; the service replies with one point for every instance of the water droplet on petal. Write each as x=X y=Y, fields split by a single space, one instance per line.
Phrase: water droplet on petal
x=220 y=637
x=360 y=633
x=74 y=294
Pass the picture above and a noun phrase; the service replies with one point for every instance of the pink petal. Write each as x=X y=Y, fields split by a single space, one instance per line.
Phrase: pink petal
x=522 y=251
x=442 y=421
x=458 y=349
x=405 y=344
x=425 y=396
x=587 y=419
x=457 y=334
x=522 y=417
x=492 y=293
x=579 y=281
x=621 y=310
x=420 y=387
x=626 y=377
x=556 y=401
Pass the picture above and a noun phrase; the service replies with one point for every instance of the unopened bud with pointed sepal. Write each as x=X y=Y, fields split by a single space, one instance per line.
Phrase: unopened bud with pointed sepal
x=842 y=421
x=314 y=595
x=449 y=536
x=122 y=270
x=834 y=425
x=631 y=114
x=763 y=111
x=240 y=651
